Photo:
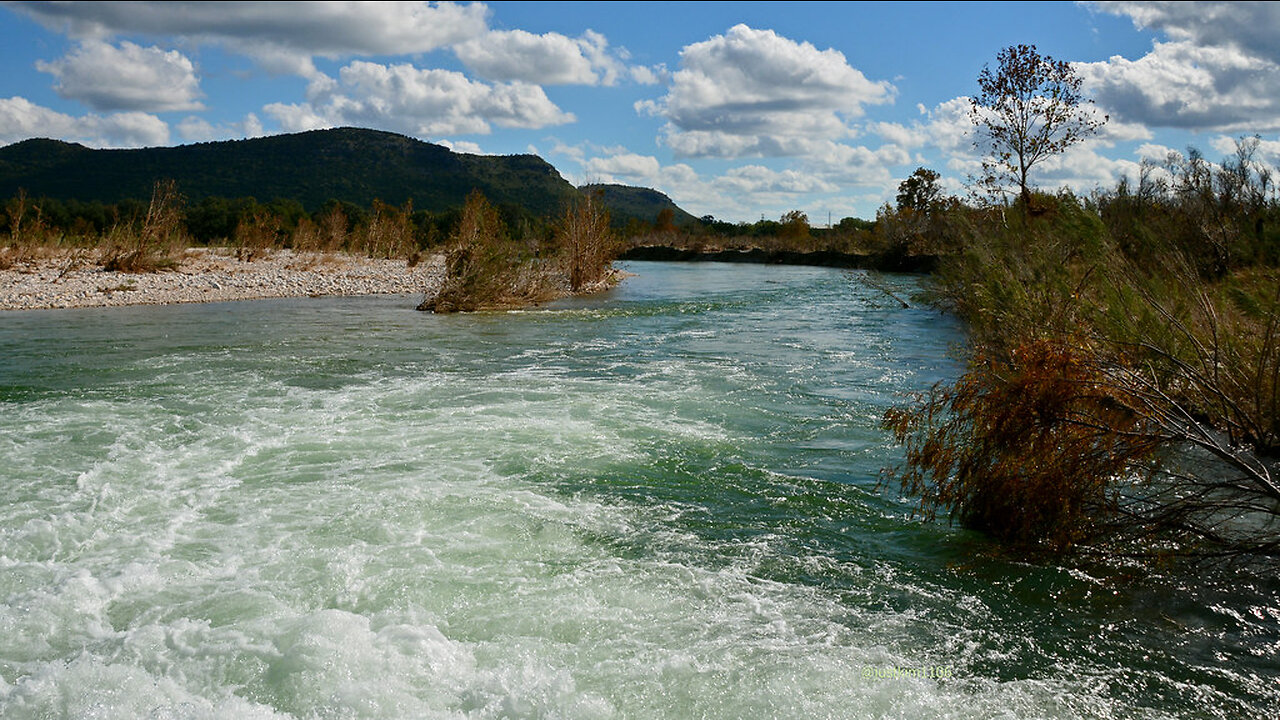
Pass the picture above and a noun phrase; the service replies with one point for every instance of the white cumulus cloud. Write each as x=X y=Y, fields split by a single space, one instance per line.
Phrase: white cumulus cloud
x=743 y=192
x=548 y=59
x=195 y=129
x=128 y=77
x=757 y=179
x=463 y=146
x=21 y=119
x=1250 y=26
x=1218 y=69
x=753 y=92
x=624 y=167
x=282 y=37
x=424 y=103
x=1183 y=85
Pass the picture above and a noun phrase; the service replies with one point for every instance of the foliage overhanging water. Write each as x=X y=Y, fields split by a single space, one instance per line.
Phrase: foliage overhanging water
x=660 y=503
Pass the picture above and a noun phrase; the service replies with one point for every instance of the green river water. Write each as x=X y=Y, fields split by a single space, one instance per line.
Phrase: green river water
x=656 y=503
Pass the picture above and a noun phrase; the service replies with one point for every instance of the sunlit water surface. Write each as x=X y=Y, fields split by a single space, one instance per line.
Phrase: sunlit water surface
x=660 y=503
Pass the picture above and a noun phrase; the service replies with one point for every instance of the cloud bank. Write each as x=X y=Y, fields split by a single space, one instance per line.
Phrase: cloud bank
x=1219 y=68
x=425 y=103
x=21 y=119
x=329 y=29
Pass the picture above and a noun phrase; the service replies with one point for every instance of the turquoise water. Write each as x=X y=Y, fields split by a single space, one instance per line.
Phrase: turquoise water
x=660 y=503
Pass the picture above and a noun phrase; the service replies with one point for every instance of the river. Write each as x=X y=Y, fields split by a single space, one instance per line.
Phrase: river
x=661 y=502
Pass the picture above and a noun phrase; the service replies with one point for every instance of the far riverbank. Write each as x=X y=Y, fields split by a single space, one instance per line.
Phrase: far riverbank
x=817 y=258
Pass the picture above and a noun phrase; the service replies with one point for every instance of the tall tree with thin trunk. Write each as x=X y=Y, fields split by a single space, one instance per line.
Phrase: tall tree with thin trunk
x=1029 y=109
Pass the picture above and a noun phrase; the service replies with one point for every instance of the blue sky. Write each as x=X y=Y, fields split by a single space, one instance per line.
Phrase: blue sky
x=737 y=110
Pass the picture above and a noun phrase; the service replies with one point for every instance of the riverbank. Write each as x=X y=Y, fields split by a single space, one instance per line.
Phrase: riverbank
x=816 y=258
x=70 y=279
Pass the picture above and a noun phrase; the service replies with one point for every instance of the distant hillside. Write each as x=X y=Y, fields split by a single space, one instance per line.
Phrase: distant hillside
x=625 y=202
x=349 y=164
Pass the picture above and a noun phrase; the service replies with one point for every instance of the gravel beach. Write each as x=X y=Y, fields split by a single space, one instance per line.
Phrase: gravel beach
x=68 y=280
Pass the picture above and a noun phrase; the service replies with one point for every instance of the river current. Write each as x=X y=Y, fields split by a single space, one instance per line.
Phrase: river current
x=657 y=503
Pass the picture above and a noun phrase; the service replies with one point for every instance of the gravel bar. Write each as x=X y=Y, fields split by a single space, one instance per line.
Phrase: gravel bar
x=67 y=280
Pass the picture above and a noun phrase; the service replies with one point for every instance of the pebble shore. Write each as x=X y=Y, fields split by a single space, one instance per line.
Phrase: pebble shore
x=68 y=280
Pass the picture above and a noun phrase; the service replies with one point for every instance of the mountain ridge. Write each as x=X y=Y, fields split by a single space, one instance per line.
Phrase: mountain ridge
x=350 y=164
x=626 y=202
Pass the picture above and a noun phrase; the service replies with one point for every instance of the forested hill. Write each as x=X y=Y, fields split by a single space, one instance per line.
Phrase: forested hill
x=645 y=204
x=348 y=164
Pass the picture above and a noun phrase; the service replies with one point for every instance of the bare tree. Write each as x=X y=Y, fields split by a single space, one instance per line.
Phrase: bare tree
x=1031 y=108
x=587 y=241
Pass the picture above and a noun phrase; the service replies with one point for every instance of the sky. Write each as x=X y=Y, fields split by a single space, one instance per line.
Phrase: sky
x=740 y=111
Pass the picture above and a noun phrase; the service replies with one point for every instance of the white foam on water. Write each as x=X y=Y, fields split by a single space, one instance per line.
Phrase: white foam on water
x=519 y=538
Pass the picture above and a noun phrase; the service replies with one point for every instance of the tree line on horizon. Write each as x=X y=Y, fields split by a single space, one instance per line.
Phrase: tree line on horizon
x=215 y=220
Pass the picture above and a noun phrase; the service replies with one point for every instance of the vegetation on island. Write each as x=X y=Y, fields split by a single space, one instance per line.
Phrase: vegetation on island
x=485 y=268
x=791 y=239
x=893 y=240
x=1123 y=389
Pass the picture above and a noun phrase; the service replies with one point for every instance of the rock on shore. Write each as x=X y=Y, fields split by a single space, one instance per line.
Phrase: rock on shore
x=70 y=279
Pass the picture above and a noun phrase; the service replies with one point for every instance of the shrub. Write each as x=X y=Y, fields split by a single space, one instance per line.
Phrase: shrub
x=390 y=232
x=333 y=229
x=257 y=235
x=586 y=240
x=156 y=243
x=484 y=269
x=1024 y=447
